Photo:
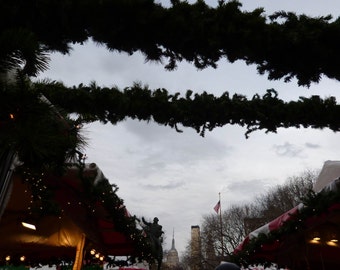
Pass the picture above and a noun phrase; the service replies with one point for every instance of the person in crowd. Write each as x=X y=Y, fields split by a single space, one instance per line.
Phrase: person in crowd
x=227 y=266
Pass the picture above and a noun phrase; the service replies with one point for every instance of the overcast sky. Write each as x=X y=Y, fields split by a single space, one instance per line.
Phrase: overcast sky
x=177 y=176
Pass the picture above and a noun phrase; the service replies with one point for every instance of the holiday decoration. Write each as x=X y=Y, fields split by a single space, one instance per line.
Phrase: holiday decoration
x=80 y=207
x=300 y=236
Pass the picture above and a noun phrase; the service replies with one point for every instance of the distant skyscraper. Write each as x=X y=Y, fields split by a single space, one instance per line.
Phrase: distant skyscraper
x=195 y=248
x=172 y=259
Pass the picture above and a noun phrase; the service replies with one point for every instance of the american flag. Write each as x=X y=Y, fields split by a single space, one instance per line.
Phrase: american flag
x=217 y=206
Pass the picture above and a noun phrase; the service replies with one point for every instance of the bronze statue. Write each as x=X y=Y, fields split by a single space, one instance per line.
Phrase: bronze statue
x=154 y=232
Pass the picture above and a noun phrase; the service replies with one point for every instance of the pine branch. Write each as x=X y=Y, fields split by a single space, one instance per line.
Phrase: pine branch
x=202 y=112
x=283 y=45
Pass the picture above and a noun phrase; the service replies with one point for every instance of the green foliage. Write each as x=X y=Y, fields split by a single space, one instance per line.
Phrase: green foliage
x=201 y=112
x=284 y=45
x=19 y=47
x=41 y=135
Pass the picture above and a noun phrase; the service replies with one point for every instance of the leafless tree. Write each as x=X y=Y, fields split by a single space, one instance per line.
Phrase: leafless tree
x=219 y=239
x=282 y=198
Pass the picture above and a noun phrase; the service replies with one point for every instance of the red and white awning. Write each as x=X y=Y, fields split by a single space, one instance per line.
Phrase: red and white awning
x=298 y=245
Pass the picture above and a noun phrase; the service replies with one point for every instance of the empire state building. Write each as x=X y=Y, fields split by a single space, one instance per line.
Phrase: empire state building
x=172 y=259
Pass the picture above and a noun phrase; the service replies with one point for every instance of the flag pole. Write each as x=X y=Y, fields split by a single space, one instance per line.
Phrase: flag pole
x=219 y=196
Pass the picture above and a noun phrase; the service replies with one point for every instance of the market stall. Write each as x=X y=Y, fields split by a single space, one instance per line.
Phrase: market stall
x=305 y=237
x=76 y=216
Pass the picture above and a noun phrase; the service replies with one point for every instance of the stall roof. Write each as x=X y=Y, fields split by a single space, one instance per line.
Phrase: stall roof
x=291 y=239
x=56 y=236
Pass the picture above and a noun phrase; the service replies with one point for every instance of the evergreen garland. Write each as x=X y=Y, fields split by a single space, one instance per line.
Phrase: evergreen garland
x=42 y=135
x=284 y=45
x=202 y=112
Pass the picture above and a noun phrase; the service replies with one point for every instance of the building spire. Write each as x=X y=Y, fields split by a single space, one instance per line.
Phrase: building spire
x=173 y=239
x=172 y=259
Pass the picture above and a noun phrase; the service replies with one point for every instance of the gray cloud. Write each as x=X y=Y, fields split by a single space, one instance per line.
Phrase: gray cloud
x=248 y=188
x=312 y=145
x=287 y=149
x=167 y=186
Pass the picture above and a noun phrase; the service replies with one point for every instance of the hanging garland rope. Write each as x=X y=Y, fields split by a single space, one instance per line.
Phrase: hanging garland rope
x=284 y=45
x=203 y=112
